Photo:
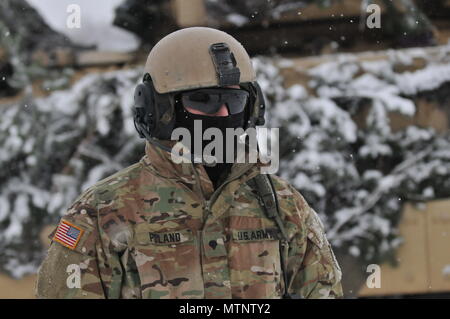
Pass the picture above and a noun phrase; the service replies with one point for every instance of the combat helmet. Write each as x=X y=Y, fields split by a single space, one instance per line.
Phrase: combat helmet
x=187 y=59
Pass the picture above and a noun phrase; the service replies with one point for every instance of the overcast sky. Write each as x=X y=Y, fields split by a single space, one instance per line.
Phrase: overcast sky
x=96 y=23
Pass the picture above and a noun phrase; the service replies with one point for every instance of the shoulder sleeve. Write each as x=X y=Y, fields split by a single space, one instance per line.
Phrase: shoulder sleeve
x=79 y=263
x=312 y=265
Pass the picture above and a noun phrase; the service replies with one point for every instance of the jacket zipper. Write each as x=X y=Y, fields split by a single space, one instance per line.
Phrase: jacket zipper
x=207 y=207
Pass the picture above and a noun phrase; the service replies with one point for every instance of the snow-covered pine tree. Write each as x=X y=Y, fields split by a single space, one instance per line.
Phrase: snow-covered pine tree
x=358 y=177
x=55 y=147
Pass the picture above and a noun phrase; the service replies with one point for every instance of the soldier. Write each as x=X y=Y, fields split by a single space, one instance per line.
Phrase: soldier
x=161 y=229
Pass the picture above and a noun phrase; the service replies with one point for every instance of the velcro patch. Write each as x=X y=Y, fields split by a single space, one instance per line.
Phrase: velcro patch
x=68 y=234
x=174 y=237
x=245 y=235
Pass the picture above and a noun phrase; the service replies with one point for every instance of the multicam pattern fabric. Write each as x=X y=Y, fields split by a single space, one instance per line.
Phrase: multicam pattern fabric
x=159 y=230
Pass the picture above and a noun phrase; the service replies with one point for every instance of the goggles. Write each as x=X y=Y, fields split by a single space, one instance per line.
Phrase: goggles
x=210 y=101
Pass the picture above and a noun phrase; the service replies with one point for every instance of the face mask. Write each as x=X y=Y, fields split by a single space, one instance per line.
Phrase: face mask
x=186 y=120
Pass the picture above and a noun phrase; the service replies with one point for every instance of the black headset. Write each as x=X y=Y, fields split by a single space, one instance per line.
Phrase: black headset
x=154 y=113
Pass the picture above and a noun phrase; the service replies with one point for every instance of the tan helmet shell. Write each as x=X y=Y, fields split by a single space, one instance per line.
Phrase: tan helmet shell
x=182 y=61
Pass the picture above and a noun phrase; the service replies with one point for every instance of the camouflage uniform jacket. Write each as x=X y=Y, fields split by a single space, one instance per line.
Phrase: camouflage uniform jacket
x=157 y=229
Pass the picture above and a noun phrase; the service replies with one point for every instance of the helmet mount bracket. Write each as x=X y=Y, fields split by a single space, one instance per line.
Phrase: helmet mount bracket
x=225 y=64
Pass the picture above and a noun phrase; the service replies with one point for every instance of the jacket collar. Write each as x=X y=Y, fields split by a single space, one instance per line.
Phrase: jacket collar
x=160 y=163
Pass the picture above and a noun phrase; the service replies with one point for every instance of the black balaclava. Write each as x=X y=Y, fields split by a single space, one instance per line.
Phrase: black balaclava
x=186 y=119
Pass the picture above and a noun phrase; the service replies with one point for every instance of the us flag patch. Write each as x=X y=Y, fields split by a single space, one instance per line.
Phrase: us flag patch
x=68 y=234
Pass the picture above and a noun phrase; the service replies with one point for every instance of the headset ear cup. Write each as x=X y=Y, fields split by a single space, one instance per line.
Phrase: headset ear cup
x=260 y=104
x=144 y=109
x=154 y=113
x=256 y=105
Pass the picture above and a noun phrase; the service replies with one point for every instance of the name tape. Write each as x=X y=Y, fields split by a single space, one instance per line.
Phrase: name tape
x=175 y=237
x=255 y=234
